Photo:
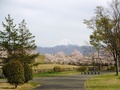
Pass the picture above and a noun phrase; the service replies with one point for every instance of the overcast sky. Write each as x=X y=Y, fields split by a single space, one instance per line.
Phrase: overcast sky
x=52 y=20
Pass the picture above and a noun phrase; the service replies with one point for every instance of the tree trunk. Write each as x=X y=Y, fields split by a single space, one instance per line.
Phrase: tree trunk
x=16 y=86
x=93 y=66
x=117 y=67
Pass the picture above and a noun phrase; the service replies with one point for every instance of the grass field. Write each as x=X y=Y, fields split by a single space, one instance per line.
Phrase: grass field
x=54 y=74
x=51 y=66
x=42 y=65
x=103 y=82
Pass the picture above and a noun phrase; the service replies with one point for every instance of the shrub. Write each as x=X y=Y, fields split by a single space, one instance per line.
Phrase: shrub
x=82 y=69
x=28 y=73
x=112 y=68
x=14 y=72
x=57 y=69
x=5 y=69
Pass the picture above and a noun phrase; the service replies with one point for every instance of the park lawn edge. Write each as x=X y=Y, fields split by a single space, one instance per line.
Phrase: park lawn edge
x=103 y=82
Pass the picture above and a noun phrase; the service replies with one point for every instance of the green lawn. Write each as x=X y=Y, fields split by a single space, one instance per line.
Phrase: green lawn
x=103 y=82
x=51 y=66
x=53 y=74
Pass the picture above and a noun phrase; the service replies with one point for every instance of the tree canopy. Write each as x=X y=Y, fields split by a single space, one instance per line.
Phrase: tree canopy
x=106 y=29
x=17 y=42
x=17 y=49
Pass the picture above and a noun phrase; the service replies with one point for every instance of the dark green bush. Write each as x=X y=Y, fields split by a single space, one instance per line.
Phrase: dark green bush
x=28 y=73
x=82 y=69
x=112 y=68
x=14 y=72
x=57 y=69
x=5 y=73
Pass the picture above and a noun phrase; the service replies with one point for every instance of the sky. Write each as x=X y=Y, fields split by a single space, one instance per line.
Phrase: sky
x=53 y=20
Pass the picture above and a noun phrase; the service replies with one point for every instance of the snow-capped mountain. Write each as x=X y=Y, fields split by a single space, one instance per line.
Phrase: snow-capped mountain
x=64 y=42
x=65 y=46
x=62 y=48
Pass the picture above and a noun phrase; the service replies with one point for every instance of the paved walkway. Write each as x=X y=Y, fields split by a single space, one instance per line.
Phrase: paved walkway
x=62 y=83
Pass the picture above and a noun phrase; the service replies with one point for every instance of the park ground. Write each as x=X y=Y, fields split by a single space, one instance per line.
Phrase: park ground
x=105 y=81
x=69 y=80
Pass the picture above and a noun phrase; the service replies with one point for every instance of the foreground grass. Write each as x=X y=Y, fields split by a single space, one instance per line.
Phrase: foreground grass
x=53 y=74
x=27 y=86
x=103 y=82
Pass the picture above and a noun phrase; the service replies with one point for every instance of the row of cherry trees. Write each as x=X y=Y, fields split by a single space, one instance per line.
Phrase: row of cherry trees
x=77 y=58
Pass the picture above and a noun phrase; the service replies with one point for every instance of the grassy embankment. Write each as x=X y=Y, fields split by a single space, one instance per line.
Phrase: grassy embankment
x=103 y=82
x=52 y=73
x=43 y=66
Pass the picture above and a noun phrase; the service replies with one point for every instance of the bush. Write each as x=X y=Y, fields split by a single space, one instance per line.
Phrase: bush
x=5 y=69
x=28 y=73
x=14 y=72
x=112 y=68
x=82 y=69
x=57 y=69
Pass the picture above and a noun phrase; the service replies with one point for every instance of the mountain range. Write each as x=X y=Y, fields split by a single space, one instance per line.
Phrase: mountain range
x=64 y=42
x=67 y=49
x=65 y=46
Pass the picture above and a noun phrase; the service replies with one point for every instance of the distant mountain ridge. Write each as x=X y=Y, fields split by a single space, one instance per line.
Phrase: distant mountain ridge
x=67 y=49
x=64 y=42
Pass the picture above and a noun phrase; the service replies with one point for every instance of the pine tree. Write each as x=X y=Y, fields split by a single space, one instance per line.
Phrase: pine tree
x=8 y=39
x=26 y=44
x=17 y=43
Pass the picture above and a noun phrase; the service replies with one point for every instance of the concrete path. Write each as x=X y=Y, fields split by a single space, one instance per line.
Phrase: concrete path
x=62 y=83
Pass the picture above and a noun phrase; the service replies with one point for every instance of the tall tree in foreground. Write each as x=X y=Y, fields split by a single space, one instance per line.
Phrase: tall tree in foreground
x=26 y=49
x=26 y=44
x=17 y=44
x=106 y=30
x=8 y=39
